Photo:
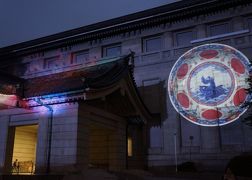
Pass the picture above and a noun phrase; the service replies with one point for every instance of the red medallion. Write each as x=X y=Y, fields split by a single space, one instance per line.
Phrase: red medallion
x=209 y=54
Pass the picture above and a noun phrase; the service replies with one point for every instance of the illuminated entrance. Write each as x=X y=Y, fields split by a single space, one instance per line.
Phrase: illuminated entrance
x=24 y=149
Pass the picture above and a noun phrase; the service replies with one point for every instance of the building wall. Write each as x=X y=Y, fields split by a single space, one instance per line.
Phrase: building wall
x=3 y=140
x=63 y=142
x=82 y=137
x=101 y=139
x=64 y=138
x=229 y=26
x=9 y=120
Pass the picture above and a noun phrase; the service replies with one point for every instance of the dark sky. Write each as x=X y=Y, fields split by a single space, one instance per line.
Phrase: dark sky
x=23 y=20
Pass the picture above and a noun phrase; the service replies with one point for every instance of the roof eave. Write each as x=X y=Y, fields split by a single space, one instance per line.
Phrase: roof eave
x=156 y=15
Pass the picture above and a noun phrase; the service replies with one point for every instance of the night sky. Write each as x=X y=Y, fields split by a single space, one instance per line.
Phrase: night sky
x=23 y=20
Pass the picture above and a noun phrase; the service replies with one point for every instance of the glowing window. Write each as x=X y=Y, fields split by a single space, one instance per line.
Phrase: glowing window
x=130 y=147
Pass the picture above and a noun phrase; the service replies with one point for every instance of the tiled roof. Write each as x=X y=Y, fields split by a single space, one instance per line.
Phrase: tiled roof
x=107 y=77
x=9 y=83
x=7 y=89
x=94 y=77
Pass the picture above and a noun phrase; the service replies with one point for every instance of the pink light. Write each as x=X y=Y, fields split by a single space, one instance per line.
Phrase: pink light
x=23 y=104
x=9 y=100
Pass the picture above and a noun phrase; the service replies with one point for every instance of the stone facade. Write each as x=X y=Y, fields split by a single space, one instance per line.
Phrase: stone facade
x=210 y=148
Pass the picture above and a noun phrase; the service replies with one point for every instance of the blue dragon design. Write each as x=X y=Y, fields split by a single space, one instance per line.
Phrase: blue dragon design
x=211 y=91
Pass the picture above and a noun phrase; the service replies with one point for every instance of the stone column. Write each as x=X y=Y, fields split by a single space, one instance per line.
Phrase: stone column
x=132 y=45
x=201 y=31
x=4 y=127
x=95 y=53
x=42 y=144
x=168 y=40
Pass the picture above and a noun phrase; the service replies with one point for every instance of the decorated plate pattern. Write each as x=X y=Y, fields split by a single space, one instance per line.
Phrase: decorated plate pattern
x=207 y=85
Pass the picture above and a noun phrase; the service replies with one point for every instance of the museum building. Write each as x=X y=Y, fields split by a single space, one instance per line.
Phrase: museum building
x=97 y=96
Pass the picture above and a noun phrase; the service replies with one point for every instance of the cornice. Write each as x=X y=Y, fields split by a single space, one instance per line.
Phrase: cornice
x=149 y=18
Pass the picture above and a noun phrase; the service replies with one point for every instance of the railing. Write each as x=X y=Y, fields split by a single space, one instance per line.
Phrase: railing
x=23 y=167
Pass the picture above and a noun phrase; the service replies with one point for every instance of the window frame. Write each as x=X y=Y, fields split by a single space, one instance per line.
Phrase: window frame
x=176 y=33
x=249 y=26
x=105 y=48
x=210 y=25
x=80 y=52
x=145 y=39
x=48 y=59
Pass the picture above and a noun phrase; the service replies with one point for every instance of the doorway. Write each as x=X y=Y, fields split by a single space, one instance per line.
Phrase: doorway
x=99 y=147
x=24 y=149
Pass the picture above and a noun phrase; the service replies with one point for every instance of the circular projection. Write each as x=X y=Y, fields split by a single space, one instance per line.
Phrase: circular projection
x=207 y=85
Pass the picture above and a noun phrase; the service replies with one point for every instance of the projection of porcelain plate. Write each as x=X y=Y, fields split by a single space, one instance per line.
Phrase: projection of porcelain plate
x=207 y=85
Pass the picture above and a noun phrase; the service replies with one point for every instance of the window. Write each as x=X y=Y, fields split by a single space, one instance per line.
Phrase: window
x=216 y=29
x=130 y=147
x=184 y=38
x=152 y=44
x=111 y=50
x=80 y=57
x=51 y=62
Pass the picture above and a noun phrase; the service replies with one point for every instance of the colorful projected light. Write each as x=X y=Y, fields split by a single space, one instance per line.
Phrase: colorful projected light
x=207 y=84
x=9 y=100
